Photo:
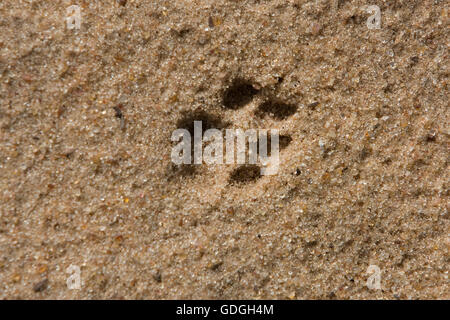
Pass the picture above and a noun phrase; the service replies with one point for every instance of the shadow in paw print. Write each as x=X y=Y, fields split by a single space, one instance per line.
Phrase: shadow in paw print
x=245 y=174
x=276 y=110
x=209 y=121
x=183 y=170
x=283 y=142
x=186 y=121
x=238 y=94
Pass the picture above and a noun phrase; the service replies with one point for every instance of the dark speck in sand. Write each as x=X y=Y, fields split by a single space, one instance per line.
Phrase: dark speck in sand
x=40 y=286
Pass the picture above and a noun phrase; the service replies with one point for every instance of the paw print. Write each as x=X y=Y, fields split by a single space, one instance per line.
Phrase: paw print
x=242 y=106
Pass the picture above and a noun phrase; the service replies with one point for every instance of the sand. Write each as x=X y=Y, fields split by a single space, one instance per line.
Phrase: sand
x=86 y=178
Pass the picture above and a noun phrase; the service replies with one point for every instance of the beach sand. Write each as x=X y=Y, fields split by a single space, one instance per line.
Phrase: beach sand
x=86 y=177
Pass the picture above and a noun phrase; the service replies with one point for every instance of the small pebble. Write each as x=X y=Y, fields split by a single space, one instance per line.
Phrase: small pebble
x=157 y=277
x=313 y=105
x=40 y=286
x=210 y=22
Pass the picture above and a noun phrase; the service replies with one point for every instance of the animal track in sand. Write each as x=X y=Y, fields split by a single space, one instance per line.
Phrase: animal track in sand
x=238 y=95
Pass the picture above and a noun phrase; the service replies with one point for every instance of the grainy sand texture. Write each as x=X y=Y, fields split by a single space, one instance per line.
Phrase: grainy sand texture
x=86 y=177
